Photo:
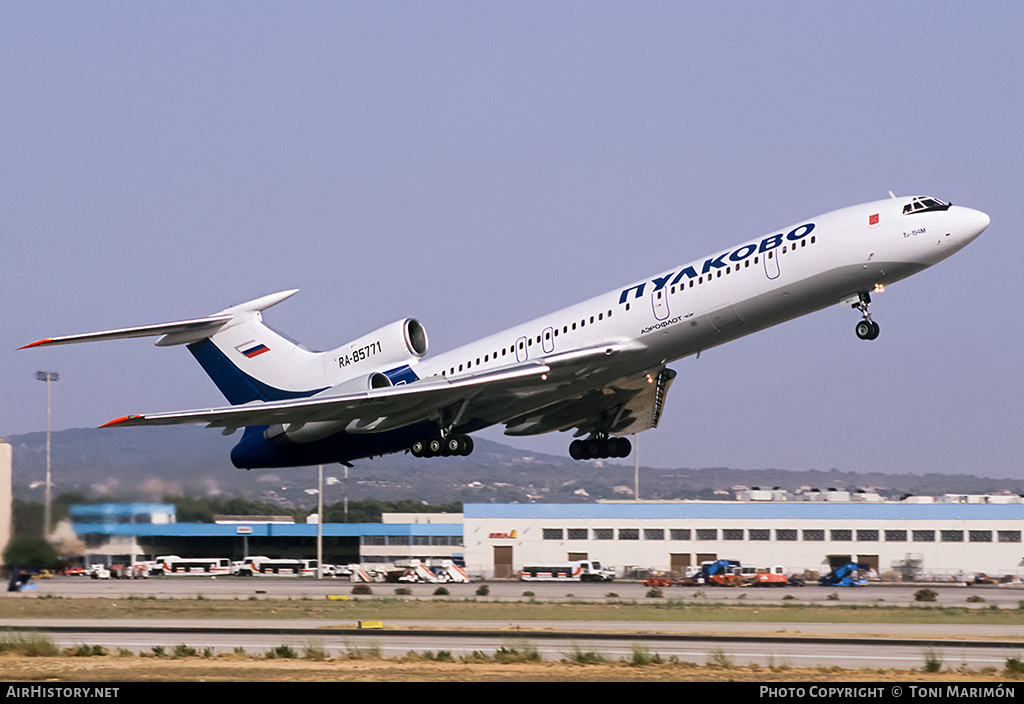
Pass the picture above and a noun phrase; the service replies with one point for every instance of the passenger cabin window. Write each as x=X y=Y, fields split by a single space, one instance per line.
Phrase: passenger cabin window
x=924 y=204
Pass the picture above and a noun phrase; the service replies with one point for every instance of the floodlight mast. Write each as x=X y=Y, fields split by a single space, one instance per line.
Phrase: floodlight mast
x=47 y=516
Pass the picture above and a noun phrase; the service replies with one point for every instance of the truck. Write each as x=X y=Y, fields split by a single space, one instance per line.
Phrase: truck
x=852 y=574
x=576 y=571
x=720 y=573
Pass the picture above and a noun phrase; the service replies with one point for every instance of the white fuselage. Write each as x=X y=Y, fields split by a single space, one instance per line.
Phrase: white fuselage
x=681 y=311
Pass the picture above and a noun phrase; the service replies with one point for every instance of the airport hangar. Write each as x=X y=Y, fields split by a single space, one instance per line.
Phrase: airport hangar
x=952 y=535
x=938 y=537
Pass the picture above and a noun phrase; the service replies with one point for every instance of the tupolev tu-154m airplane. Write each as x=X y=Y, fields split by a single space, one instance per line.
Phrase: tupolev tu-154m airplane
x=598 y=367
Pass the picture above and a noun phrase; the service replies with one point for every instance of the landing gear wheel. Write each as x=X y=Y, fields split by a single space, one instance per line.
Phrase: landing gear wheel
x=599 y=448
x=622 y=447
x=867 y=330
x=576 y=449
x=418 y=448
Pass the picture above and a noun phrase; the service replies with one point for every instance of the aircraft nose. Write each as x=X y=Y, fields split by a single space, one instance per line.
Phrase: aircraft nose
x=971 y=223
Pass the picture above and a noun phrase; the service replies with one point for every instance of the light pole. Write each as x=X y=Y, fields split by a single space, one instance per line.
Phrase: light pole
x=47 y=377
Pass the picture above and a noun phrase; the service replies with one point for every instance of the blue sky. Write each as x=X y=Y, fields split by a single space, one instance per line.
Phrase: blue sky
x=475 y=165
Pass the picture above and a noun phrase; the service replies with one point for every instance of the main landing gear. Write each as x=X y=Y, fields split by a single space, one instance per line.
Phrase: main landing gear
x=597 y=447
x=867 y=329
x=451 y=446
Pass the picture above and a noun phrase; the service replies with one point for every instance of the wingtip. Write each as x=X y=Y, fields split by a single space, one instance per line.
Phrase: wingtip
x=119 y=421
x=37 y=343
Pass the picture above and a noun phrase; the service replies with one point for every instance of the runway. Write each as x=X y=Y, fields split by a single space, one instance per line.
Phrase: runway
x=848 y=645
x=765 y=644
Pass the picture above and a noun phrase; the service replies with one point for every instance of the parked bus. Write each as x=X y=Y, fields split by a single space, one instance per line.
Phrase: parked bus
x=172 y=564
x=283 y=567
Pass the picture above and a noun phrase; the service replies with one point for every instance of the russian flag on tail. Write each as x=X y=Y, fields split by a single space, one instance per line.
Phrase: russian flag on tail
x=250 y=350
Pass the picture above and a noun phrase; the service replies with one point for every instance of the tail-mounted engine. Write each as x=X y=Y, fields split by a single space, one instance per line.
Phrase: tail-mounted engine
x=401 y=342
x=360 y=366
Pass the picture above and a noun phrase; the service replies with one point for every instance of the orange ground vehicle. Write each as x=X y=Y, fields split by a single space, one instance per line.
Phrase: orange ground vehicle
x=660 y=579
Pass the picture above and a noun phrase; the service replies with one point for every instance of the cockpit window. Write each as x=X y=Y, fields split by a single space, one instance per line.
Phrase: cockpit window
x=923 y=204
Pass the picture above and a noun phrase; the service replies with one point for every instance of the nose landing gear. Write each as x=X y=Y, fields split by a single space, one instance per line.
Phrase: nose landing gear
x=867 y=329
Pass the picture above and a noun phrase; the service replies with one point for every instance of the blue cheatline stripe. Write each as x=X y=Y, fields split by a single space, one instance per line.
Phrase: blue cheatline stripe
x=237 y=386
x=401 y=375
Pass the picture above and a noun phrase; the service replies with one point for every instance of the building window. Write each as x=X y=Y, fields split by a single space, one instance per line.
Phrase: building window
x=841 y=535
x=421 y=540
x=1009 y=536
x=399 y=540
x=867 y=535
x=604 y=534
x=732 y=534
x=814 y=534
x=629 y=534
x=785 y=534
x=759 y=534
x=679 y=533
x=577 y=533
x=707 y=534
x=895 y=536
x=654 y=533
x=979 y=536
x=554 y=534
x=952 y=536
x=923 y=536
x=374 y=540
x=439 y=540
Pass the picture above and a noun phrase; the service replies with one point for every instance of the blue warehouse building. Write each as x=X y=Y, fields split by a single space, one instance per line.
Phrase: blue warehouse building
x=114 y=533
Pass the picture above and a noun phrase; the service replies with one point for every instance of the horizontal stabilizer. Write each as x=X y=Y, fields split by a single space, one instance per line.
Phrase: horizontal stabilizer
x=188 y=330
x=180 y=332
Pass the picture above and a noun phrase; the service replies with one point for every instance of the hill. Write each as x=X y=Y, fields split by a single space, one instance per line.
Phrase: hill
x=150 y=463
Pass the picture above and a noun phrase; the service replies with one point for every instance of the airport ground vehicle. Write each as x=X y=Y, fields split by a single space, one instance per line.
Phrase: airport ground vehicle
x=257 y=565
x=719 y=573
x=774 y=576
x=577 y=571
x=661 y=579
x=852 y=574
x=434 y=572
x=98 y=571
x=172 y=564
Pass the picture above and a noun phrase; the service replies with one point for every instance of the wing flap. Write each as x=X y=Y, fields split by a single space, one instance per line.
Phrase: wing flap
x=622 y=407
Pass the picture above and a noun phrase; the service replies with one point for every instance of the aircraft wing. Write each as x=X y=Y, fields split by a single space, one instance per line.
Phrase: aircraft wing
x=367 y=411
x=488 y=394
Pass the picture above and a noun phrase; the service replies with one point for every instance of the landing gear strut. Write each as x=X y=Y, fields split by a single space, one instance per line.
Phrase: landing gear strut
x=451 y=446
x=598 y=447
x=867 y=329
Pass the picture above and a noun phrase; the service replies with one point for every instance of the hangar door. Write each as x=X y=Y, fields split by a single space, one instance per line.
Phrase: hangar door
x=502 y=561
x=678 y=562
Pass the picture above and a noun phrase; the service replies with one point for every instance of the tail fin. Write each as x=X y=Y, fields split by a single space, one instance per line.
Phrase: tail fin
x=249 y=361
x=246 y=359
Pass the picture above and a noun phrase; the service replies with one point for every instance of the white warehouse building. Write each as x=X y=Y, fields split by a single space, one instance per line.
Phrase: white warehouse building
x=937 y=540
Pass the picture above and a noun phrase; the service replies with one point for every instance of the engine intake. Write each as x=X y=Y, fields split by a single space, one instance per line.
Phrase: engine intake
x=401 y=342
